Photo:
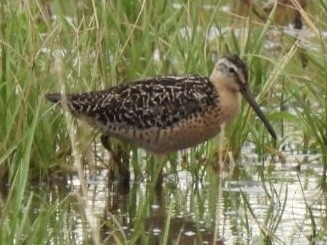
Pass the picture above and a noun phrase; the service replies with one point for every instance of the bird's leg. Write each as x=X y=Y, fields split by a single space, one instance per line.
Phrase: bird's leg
x=122 y=158
x=157 y=176
x=105 y=142
x=123 y=170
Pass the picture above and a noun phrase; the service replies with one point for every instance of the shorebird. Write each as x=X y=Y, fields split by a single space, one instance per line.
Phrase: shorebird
x=167 y=113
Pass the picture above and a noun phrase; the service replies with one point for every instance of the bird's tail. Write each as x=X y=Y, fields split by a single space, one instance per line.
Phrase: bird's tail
x=62 y=100
x=54 y=97
x=77 y=104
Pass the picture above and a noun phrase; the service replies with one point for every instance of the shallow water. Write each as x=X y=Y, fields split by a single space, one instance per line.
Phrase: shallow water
x=243 y=205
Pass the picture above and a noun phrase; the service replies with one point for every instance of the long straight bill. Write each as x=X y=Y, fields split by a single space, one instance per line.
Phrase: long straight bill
x=249 y=97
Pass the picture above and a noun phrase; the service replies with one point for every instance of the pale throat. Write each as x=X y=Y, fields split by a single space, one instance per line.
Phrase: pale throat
x=230 y=104
x=229 y=98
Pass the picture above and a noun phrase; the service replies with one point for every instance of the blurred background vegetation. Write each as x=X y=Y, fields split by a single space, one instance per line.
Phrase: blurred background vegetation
x=73 y=46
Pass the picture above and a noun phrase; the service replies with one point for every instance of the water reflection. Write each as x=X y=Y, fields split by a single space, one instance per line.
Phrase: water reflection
x=252 y=204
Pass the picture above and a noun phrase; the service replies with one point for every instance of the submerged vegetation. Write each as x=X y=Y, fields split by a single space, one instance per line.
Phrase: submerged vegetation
x=50 y=163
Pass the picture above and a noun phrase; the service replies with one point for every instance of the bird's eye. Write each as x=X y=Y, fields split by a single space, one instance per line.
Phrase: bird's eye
x=231 y=70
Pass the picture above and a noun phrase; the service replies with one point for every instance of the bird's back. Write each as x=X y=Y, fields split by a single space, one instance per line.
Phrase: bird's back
x=160 y=114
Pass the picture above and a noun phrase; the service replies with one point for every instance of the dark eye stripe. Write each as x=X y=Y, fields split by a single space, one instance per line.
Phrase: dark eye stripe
x=232 y=70
x=238 y=63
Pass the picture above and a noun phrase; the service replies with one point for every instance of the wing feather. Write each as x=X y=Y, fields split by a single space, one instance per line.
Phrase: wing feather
x=155 y=102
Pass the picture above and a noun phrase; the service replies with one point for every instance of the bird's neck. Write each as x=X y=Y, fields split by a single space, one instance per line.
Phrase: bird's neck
x=229 y=100
x=230 y=104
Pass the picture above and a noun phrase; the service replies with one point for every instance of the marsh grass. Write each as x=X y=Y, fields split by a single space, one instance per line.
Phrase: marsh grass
x=274 y=211
x=94 y=45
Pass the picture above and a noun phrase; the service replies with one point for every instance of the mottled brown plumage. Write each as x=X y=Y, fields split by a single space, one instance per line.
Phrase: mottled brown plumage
x=167 y=113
